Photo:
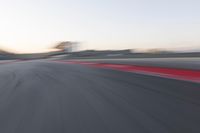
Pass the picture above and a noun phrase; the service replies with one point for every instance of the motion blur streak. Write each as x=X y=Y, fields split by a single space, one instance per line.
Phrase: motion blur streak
x=50 y=97
x=180 y=74
x=8 y=61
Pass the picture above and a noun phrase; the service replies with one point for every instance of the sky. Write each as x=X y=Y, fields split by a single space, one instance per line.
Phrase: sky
x=35 y=25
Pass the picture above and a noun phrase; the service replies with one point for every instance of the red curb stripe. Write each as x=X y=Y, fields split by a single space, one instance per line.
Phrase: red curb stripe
x=180 y=74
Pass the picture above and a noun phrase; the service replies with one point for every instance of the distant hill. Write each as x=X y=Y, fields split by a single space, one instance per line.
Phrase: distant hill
x=5 y=55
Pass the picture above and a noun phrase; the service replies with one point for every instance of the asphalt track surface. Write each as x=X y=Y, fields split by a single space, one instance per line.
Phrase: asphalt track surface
x=52 y=97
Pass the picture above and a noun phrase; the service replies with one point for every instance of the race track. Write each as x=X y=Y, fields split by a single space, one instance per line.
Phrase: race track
x=51 y=97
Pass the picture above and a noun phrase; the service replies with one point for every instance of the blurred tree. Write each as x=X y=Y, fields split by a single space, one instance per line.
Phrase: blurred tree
x=66 y=46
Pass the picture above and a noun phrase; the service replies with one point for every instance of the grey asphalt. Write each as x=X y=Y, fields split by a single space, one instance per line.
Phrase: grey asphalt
x=51 y=97
x=184 y=63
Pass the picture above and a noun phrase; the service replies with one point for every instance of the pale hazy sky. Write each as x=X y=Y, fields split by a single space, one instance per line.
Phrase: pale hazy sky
x=33 y=25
